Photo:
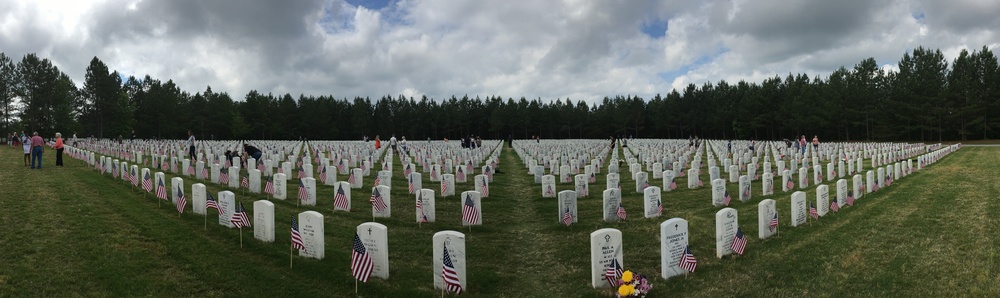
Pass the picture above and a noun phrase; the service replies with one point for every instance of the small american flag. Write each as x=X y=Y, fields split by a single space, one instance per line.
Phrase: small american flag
x=340 y=199
x=147 y=183
x=361 y=261
x=420 y=205
x=245 y=182
x=240 y=218
x=444 y=188
x=790 y=184
x=746 y=192
x=378 y=180
x=352 y=180
x=613 y=273
x=813 y=212
x=486 y=188
x=688 y=262
x=322 y=173
x=223 y=176
x=774 y=222
x=410 y=182
x=834 y=206
x=303 y=193
x=700 y=184
x=211 y=203
x=449 y=274
x=296 y=236
x=181 y=200
x=567 y=218
x=204 y=172
x=260 y=167
x=659 y=207
x=190 y=170
x=850 y=198
x=469 y=212
x=161 y=190
x=377 y=202
x=302 y=172
x=726 y=199
x=739 y=241
x=673 y=185
x=269 y=185
x=620 y=211
x=461 y=174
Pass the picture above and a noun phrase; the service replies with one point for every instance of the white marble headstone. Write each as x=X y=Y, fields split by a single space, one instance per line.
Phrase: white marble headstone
x=263 y=220
x=425 y=199
x=673 y=242
x=726 y=223
x=766 y=212
x=375 y=238
x=313 y=233
x=455 y=244
x=605 y=247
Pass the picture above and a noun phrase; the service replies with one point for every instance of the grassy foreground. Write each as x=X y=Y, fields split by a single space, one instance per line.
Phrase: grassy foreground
x=72 y=232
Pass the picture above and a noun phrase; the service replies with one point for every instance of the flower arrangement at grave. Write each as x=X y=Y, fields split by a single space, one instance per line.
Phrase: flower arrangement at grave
x=632 y=285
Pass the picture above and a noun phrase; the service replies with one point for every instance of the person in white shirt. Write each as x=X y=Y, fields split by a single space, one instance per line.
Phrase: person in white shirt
x=402 y=143
x=392 y=143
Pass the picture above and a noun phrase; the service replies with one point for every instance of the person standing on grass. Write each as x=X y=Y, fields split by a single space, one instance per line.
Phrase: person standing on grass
x=27 y=148
x=59 y=149
x=802 y=144
x=392 y=143
x=378 y=142
x=815 y=142
x=190 y=144
x=37 y=148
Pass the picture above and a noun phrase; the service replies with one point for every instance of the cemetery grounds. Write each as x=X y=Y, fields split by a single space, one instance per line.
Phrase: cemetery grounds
x=73 y=232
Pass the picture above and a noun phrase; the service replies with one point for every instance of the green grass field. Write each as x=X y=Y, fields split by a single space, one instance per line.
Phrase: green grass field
x=72 y=232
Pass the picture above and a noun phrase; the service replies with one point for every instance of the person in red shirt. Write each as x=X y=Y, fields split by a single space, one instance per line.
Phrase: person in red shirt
x=37 y=148
x=59 y=149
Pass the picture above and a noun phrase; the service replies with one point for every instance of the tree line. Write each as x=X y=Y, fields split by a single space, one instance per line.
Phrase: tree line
x=927 y=99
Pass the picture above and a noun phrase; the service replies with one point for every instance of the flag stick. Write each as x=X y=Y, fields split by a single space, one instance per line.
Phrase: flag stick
x=355 y=286
x=241 y=237
x=290 y=255
x=206 y=219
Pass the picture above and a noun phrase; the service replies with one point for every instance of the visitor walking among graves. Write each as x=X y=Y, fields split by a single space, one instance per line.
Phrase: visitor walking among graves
x=190 y=144
x=37 y=149
x=392 y=143
x=59 y=149
x=815 y=142
x=378 y=142
x=802 y=144
x=402 y=144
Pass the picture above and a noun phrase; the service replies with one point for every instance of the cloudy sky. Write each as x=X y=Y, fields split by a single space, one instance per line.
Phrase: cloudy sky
x=581 y=49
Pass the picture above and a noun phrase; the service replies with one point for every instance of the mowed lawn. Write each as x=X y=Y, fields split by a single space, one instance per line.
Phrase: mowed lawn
x=72 y=232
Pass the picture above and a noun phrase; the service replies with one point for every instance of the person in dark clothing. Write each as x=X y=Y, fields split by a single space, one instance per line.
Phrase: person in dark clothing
x=252 y=151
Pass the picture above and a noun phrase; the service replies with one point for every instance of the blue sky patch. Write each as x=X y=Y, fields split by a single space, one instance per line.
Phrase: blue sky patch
x=655 y=29
x=370 y=4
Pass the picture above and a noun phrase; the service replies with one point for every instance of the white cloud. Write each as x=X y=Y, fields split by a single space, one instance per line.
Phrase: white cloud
x=548 y=49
